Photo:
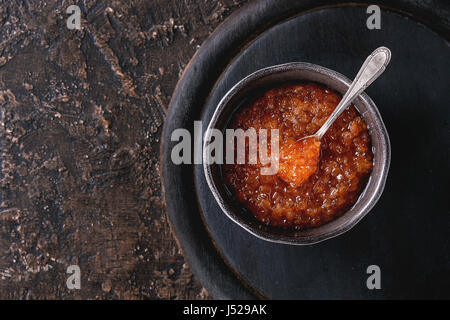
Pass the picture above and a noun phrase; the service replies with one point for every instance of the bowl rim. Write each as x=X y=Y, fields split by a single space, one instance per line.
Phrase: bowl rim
x=346 y=226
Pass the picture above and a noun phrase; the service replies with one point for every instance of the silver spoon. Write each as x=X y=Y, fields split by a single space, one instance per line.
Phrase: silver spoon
x=371 y=69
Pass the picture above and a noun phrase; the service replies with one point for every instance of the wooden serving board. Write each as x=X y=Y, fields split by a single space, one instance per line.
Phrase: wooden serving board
x=407 y=232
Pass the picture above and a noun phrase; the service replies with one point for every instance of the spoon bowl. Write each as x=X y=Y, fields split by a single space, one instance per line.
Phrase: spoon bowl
x=372 y=68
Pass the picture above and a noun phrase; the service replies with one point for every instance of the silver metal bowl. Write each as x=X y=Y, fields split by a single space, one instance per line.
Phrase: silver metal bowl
x=248 y=90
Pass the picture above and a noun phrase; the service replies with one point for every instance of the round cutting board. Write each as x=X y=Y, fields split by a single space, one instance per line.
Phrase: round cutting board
x=406 y=234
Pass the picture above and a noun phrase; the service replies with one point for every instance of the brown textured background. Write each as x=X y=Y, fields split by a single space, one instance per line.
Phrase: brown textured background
x=81 y=114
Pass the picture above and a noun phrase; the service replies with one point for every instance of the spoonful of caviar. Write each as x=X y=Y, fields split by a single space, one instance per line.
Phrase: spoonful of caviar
x=299 y=159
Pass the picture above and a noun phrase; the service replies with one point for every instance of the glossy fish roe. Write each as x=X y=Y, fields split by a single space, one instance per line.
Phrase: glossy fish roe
x=301 y=195
x=298 y=159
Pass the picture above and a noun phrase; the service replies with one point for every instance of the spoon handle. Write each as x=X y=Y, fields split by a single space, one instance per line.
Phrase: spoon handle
x=371 y=69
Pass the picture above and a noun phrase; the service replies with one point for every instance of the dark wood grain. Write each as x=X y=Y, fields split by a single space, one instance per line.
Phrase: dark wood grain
x=81 y=115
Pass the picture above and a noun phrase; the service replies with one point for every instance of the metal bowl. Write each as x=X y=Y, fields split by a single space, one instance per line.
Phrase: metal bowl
x=248 y=90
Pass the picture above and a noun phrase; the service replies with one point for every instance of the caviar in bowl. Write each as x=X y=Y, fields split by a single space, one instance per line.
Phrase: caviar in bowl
x=296 y=98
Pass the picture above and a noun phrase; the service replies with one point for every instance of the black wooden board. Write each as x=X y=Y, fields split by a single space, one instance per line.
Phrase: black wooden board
x=406 y=234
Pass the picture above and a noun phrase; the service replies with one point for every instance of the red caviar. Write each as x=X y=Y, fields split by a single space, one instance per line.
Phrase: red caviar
x=298 y=159
x=304 y=192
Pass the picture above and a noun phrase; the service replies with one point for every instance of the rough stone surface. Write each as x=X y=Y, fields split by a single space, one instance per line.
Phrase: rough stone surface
x=81 y=114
